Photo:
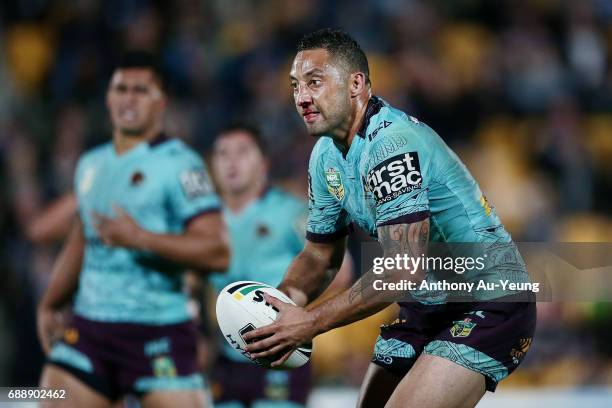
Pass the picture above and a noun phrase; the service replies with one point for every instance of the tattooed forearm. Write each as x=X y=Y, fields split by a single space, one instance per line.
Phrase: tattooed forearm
x=399 y=239
x=362 y=300
x=358 y=287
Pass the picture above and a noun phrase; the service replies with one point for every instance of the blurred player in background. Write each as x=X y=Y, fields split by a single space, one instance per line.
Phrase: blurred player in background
x=397 y=180
x=267 y=230
x=146 y=211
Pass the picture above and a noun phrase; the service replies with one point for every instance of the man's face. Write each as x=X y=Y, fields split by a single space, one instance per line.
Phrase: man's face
x=135 y=100
x=238 y=164
x=321 y=91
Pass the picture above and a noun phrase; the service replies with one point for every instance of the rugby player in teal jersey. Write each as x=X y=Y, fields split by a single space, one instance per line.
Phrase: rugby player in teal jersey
x=394 y=177
x=146 y=212
x=266 y=227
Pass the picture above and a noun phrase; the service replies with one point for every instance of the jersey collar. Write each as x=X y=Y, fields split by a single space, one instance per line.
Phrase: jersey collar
x=159 y=139
x=375 y=104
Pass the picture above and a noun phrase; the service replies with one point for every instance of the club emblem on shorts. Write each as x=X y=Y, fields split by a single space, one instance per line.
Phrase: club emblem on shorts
x=334 y=183
x=216 y=389
x=163 y=366
x=277 y=385
x=71 y=336
x=519 y=352
x=462 y=328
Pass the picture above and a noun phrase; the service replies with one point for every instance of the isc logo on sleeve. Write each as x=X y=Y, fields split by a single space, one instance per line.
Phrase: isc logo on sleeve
x=395 y=176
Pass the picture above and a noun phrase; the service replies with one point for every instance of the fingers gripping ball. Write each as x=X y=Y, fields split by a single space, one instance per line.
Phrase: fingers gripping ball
x=241 y=307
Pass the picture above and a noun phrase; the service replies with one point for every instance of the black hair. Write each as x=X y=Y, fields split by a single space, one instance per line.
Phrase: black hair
x=251 y=129
x=340 y=45
x=143 y=59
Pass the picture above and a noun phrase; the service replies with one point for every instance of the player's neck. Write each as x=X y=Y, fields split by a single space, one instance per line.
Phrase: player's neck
x=346 y=137
x=237 y=202
x=124 y=143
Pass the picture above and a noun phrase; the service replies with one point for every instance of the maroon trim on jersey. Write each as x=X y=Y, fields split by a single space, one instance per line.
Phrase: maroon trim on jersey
x=196 y=215
x=326 y=238
x=267 y=188
x=408 y=218
x=375 y=104
x=159 y=139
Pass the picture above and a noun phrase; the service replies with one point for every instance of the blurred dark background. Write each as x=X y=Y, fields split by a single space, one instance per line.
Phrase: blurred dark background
x=522 y=90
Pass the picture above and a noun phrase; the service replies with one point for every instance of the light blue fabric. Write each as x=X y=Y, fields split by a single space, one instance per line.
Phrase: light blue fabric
x=276 y=404
x=265 y=237
x=469 y=358
x=63 y=353
x=190 y=382
x=161 y=187
x=399 y=171
x=385 y=350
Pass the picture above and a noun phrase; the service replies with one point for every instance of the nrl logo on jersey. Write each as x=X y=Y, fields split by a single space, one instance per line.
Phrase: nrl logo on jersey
x=334 y=183
x=395 y=176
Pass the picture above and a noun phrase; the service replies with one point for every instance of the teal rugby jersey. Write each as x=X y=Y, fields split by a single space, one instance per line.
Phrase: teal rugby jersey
x=265 y=237
x=398 y=170
x=162 y=185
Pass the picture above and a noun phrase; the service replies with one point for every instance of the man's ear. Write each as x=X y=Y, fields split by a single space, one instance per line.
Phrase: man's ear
x=358 y=84
x=162 y=97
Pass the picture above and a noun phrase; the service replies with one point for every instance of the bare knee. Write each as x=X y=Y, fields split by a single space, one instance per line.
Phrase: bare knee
x=77 y=393
x=434 y=382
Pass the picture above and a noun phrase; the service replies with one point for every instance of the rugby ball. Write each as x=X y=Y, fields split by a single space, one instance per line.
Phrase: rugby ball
x=241 y=308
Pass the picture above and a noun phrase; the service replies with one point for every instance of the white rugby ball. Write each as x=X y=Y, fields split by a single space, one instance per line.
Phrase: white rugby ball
x=241 y=308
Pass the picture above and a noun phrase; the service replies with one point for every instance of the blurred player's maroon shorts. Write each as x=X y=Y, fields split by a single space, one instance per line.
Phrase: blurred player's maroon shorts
x=487 y=337
x=245 y=384
x=126 y=358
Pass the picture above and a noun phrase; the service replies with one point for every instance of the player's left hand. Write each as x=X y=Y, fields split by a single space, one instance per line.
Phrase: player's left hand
x=293 y=327
x=120 y=231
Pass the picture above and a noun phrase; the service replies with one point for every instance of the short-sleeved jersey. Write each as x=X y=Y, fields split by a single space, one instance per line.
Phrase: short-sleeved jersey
x=265 y=237
x=162 y=185
x=397 y=171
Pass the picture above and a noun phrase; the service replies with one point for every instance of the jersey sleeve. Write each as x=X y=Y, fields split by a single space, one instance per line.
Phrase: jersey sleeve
x=191 y=192
x=327 y=220
x=397 y=173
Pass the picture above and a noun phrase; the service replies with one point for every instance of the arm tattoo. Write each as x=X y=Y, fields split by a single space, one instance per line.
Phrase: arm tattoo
x=398 y=239
x=409 y=239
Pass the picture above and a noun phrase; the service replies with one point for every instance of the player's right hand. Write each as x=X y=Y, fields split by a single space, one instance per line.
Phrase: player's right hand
x=49 y=326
